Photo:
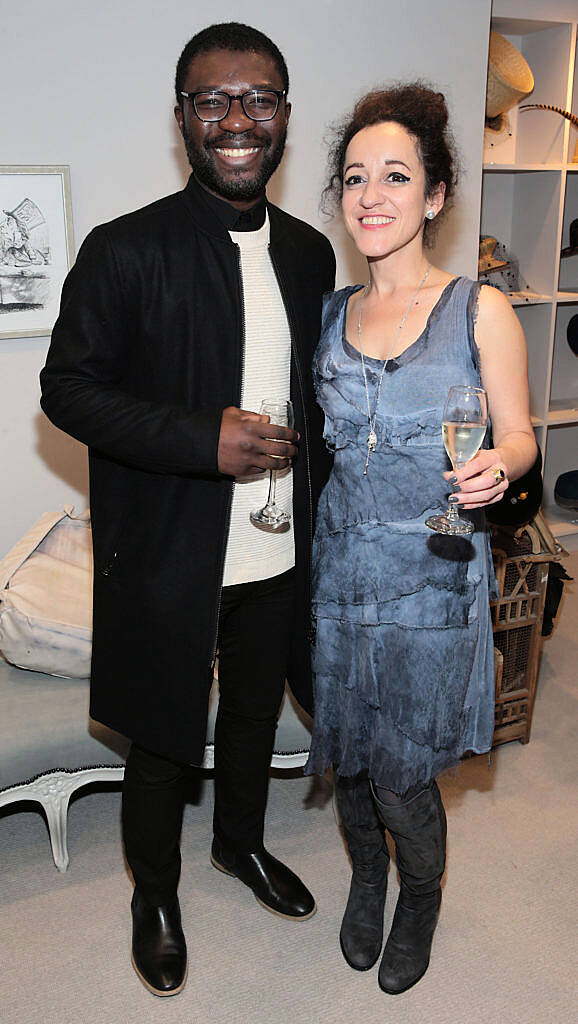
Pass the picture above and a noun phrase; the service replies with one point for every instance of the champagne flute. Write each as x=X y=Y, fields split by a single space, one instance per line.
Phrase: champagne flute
x=464 y=423
x=280 y=413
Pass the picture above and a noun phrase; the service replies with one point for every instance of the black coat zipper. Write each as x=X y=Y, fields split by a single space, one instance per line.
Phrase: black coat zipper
x=110 y=565
x=232 y=487
x=292 y=333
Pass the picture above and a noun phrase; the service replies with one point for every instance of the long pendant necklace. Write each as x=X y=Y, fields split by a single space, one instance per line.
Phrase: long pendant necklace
x=372 y=436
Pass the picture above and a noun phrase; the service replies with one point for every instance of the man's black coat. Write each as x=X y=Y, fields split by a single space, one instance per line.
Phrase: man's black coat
x=145 y=355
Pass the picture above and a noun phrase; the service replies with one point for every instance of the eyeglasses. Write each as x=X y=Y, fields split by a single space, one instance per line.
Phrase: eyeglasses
x=214 y=105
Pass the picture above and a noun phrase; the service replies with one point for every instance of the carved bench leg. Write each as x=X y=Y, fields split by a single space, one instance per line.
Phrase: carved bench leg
x=53 y=790
x=56 y=809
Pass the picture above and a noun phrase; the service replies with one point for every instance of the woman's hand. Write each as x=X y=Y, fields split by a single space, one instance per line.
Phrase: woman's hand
x=482 y=481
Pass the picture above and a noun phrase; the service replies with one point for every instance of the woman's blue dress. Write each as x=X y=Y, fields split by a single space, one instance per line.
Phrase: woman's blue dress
x=403 y=655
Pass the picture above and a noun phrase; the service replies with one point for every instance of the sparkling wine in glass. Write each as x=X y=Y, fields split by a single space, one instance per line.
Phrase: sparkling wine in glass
x=270 y=515
x=464 y=425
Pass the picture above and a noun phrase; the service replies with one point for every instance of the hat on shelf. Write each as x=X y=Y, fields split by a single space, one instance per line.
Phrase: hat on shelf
x=566 y=490
x=572 y=333
x=487 y=261
x=572 y=249
x=499 y=268
x=510 y=80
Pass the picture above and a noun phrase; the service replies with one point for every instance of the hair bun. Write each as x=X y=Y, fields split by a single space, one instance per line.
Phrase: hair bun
x=442 y=108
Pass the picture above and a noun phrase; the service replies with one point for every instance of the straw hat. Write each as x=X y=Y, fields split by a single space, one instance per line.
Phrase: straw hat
x=510 y=79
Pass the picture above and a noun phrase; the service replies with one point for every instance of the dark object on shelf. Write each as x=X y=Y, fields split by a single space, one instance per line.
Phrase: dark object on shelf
x=556 y=577
x=566 y=490
x=572 y=333
x=522 y=499
x=510 y=80
x=572 y=249
x=487 y=261
x=557 y=110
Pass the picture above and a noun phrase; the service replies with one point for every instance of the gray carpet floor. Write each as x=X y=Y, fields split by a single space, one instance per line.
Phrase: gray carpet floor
x=505 y=947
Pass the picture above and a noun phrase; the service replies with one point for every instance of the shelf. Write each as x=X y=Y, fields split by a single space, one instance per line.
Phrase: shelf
x=527 y=298
x=521 y=26
x=535 y=139
x=529 y=201
x=562 y=522
x=568 y=276
x=561 y=414
x=530 y=298
x=524 y=167
x=522 y=212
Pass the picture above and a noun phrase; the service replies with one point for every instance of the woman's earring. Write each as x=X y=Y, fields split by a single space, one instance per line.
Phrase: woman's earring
x=430 y=214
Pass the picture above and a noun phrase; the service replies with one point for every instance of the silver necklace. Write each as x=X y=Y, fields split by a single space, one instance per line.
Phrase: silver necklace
x=372 y=436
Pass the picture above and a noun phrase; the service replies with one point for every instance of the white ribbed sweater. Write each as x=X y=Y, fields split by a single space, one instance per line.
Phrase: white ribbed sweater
x=253 y=553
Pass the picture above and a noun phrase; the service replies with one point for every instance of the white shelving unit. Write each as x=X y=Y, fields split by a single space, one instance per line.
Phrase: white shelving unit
x=529 y=198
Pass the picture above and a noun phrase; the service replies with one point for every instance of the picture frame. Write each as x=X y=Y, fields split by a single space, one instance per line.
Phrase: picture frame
x=36 y=247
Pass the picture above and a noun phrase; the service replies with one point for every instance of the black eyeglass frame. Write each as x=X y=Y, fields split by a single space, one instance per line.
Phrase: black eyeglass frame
x=278 y=93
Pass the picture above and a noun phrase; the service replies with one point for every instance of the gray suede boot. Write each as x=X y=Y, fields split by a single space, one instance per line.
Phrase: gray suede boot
x=361 y=934
x=418 y=829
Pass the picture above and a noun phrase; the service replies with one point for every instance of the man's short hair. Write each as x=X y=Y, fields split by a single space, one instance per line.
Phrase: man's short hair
x=229 y=35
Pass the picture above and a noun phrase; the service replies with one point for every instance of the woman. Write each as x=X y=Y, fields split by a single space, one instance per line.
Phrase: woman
x=404 y=655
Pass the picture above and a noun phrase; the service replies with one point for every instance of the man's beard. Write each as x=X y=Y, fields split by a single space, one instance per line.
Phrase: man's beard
x=239 y=186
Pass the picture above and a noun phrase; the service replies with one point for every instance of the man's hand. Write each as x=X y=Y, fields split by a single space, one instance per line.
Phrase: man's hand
x=249 y=443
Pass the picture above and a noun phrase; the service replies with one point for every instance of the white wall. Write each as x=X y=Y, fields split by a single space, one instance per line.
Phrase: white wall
x=90 y=85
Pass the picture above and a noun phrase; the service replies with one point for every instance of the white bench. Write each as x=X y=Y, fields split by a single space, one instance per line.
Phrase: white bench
x=50 y=747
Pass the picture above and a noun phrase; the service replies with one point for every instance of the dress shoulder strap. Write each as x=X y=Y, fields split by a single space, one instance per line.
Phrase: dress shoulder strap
x=464 y=312
x=333 y=303
x=471 y=317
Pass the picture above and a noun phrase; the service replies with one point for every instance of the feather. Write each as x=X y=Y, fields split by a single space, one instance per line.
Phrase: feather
x=557 y=110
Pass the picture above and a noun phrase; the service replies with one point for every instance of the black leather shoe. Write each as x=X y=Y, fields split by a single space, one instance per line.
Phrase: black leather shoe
x=275 y=886
x=159 y=951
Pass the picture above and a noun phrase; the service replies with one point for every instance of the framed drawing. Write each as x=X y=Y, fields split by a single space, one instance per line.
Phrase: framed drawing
x=36 y=247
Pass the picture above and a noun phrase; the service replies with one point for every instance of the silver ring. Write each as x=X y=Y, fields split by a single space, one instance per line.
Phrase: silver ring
x=498 y=474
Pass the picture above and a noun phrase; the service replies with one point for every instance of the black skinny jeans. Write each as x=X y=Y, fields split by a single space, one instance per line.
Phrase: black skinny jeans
x=255 y=630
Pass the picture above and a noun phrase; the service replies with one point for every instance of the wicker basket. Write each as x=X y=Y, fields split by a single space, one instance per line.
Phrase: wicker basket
x=522 y=565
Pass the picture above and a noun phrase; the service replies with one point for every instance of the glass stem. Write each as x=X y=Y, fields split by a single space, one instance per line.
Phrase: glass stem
x=271 y=498
x=452 y=512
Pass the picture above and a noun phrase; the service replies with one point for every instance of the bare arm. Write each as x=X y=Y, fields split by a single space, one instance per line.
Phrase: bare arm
x=504 y=371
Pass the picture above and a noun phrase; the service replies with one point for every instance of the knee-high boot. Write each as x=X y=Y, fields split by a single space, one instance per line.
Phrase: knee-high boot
x=418 y=829
x=361 y=934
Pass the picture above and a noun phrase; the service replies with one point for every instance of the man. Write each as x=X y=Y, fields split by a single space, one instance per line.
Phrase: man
x=174 y=321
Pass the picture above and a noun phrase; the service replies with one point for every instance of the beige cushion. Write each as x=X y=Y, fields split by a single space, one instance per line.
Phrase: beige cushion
x=46 y=596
